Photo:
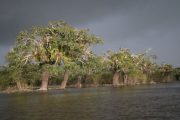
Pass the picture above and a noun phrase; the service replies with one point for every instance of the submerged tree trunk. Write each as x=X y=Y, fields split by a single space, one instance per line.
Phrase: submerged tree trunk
x=45 y=79
x=125 y=79
x=79 y=85
x=116 y=79
x=64 y=82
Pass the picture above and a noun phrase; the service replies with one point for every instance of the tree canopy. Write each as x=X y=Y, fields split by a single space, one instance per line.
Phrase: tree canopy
x=56 y=43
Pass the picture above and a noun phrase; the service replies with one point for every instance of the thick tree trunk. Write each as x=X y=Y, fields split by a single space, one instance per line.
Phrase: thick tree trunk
x=116 y=79
x=125 y=79
x=64 y=82
x=45 y=79
x=19 y=86
x=79 y=85
x=96 y=83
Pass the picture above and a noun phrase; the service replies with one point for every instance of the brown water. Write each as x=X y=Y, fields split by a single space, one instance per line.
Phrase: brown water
x=155 y=102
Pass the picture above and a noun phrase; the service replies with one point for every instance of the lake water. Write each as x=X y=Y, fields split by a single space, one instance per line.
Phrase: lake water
x=153 y=102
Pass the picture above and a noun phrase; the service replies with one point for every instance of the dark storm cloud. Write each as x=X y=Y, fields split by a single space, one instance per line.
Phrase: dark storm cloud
x=19 y=14
x=150 y=24
x=136 y=24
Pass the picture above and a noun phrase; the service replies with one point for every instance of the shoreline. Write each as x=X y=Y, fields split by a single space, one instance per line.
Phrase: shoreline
x=56 y=87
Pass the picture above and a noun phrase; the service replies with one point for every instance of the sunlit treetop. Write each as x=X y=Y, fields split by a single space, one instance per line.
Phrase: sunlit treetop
x=121 y=61
x=57 y=43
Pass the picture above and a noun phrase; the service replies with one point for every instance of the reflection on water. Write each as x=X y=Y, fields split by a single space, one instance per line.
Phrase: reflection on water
x=155 y=102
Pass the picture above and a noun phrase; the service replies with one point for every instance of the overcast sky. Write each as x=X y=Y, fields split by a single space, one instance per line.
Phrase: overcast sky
x=134 y=24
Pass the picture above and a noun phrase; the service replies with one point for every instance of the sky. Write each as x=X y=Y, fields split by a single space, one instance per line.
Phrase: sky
x=134 y=24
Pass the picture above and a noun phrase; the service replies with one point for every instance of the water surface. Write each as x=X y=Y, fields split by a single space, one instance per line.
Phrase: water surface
x=154 y=102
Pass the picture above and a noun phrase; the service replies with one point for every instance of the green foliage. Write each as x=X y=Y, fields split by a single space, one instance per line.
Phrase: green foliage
x=93 y=67
x=138 y=77
x=24 y=73
x=5 y=80
x=121 y=61
x=176 y=73
x=94 y=64
x=57 y=43
x=166 y=69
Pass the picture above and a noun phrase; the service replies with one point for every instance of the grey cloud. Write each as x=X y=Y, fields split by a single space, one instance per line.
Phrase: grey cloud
x=154 y=25
x=3 y=51
x=20 y=14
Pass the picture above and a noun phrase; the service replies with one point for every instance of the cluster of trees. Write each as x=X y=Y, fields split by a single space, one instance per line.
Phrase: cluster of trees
x=59 y=54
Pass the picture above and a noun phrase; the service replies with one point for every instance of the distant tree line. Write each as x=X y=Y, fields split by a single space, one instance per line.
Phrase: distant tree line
x=60 y=55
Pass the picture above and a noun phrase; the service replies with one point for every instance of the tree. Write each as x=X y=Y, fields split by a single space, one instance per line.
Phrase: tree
x=15 y=69
x=145 y=64
x=88 y=68
x=166 y=70
x=21 y=74
x=94 y=68
x=55 y=45
x=120 y=62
